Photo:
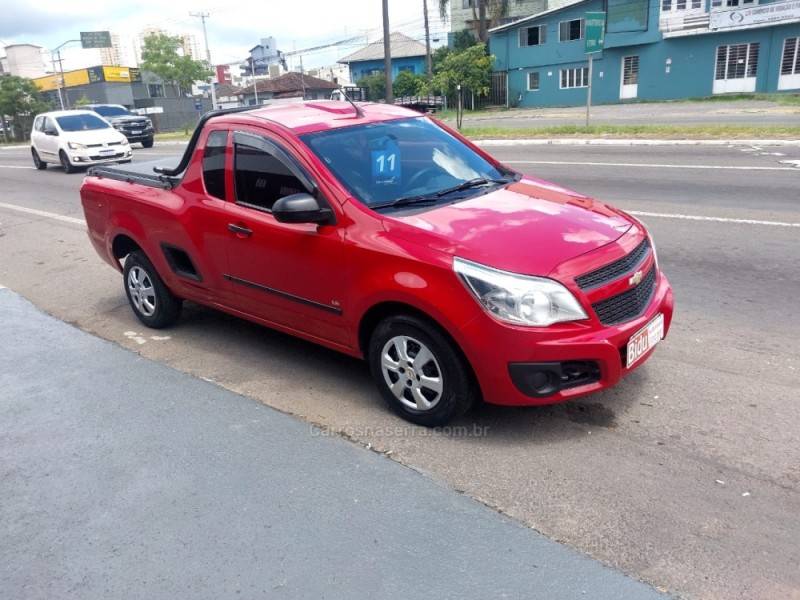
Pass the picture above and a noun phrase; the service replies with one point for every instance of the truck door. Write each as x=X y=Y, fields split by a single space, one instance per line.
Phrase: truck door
x=288 y=274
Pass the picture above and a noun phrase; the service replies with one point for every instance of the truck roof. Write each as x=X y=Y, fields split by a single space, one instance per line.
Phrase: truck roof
x=319 y=115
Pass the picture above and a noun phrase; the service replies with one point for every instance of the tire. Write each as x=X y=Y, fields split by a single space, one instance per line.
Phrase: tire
x=37 y=161
x=65 y=164
x=455 y=391
x=152 y=303
x=148 y=143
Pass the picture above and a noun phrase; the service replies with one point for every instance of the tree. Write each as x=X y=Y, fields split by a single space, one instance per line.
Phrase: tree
x=375 y=84
x=408 y=84
x=470 y=69
x=160 y=56
x=20 y=99
x=82 y=101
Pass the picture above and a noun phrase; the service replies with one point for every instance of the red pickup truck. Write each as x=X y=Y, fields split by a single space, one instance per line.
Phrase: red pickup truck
x=384 y=234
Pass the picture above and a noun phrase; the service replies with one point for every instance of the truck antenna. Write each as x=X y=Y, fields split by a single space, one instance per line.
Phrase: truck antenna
x=359 y=112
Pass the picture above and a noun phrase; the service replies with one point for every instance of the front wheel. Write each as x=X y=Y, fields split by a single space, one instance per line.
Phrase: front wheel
x=37 y=161
x=65 y=164
x=148 y=143
x=151 y=301
x=420 y=372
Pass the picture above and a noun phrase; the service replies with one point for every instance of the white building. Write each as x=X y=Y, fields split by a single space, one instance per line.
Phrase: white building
x=24 y=60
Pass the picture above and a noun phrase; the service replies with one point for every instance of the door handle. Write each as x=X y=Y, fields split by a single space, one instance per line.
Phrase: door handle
x=240 y=230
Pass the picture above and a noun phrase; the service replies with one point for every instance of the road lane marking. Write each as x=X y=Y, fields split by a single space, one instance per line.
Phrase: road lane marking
x=16 y=167
x=639 y=213
x=43 y=213
x=648 y=165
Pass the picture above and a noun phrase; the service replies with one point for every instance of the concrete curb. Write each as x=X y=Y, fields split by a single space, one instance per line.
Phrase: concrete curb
x=633 y=142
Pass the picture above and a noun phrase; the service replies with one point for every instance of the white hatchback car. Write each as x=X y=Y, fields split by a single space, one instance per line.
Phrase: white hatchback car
x=76 y=138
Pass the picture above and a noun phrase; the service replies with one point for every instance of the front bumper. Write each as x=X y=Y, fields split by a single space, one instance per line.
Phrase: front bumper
x=492 y=348
x=91 y=156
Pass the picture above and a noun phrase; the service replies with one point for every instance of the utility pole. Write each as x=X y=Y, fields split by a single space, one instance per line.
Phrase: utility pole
x=482 y=32
x=60 y=75
x=387 y=53
x=203 y=16
x=302 y=78
x=428 y=63
x=253 y=73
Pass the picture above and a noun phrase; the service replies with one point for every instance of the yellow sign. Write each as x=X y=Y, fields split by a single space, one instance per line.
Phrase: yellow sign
x=117 y=74
x=86 y=76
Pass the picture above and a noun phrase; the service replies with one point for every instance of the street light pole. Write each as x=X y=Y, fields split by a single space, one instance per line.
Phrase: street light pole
x=203 y=16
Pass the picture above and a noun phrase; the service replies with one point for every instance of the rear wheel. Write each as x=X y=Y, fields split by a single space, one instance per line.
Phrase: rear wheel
x=65 y=164
x=419 y=371
x=151 y=301
x=37 y=161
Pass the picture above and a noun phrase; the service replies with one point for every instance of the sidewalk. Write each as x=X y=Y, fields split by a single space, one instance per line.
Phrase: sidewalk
x=123 y=478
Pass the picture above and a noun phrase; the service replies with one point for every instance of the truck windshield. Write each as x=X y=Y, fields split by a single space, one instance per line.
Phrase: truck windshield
x=111 y=111
x=392 y=162
x=83 y=122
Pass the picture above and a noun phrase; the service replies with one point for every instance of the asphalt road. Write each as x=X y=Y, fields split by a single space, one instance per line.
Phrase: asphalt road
x=754 y=113
x=686 y=475
x=121 y=474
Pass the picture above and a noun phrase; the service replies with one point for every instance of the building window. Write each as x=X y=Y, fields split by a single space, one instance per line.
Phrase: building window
x=574 y=78
x=214 y=164
x=155 y=90
x=630 y=70
x=533 y=81
x=468 y=4
x=570 y=30
x=533 y=36
x=738 y=61
x=732 y=3
x=680 y=5
x=409 y=68
x=790 y=63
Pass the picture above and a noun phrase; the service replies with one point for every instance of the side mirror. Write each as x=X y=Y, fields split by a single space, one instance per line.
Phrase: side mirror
x=301 y=208
x=51 y=131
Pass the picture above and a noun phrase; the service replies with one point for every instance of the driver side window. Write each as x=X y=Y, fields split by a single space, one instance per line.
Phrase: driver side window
x=262 y=178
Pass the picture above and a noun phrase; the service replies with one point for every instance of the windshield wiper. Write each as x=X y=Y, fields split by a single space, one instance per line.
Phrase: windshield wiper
x=408 y=200
x=471 y=183
x=432 y=198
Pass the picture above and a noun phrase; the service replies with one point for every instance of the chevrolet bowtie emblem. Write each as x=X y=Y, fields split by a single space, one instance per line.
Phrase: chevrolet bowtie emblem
x=635 y=279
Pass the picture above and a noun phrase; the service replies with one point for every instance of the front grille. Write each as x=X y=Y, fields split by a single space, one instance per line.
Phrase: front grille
x=614 y=270
x=107 y=156
x=94 y=145
x=136 y=125
x=114 y=143
x=629 y=304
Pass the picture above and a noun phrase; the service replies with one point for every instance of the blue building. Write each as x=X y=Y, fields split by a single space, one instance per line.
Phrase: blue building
x=407 y=55
x=654 y=50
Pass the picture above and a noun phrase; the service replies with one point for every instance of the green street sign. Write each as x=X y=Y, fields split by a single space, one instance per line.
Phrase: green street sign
x=595 y=31
x=95 y=39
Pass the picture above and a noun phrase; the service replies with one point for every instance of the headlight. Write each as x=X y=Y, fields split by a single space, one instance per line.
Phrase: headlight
x=519 y=299
x=76 y=146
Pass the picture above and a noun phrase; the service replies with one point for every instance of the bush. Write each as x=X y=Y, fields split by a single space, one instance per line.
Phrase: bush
x=407 y=84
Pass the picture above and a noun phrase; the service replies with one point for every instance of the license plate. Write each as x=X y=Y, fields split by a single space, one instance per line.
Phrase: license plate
x=108 y=151
x=644 y=339
x=136 y=132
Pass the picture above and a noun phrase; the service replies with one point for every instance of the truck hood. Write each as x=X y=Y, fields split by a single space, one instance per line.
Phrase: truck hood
x=529 y=227
x=127 y=119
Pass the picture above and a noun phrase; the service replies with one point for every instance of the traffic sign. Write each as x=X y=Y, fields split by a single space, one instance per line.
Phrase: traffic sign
x=95 y=39
x=595 y=31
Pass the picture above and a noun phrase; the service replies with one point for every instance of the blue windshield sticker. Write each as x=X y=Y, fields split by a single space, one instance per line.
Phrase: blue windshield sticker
x=386 y=163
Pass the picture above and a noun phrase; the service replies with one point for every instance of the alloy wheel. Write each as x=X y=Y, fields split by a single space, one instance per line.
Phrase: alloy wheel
x=412 y=373
x=142 y=291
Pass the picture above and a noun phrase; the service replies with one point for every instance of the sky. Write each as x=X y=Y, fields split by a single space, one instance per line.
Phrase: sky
x=233 y=26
